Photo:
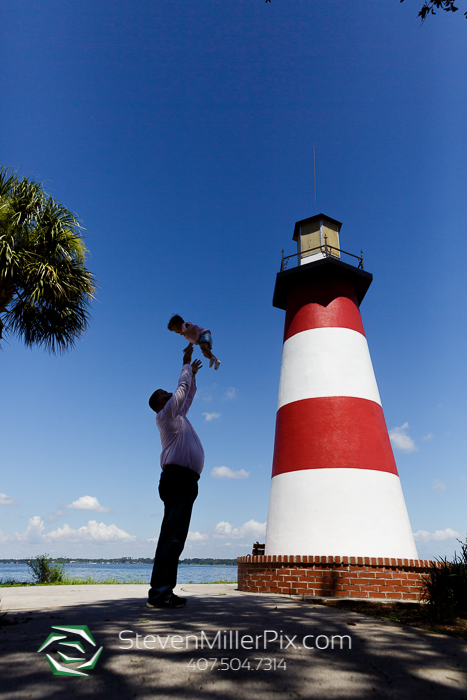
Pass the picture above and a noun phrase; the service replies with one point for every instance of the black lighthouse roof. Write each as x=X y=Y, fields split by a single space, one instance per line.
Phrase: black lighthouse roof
x=322 y=271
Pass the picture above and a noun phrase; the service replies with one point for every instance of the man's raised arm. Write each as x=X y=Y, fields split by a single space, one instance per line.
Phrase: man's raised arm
x=195 y=366
x=175 y=405
x=186 y=389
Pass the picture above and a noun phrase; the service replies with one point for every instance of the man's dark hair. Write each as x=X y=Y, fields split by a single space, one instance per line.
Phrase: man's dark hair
x=175 y=320
x=154 y=402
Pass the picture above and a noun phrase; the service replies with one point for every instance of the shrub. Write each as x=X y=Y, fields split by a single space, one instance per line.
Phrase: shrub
x=43 y=571
x=445 y=587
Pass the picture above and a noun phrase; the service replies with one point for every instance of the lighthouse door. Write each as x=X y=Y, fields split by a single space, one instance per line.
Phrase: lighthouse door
x=332 y=238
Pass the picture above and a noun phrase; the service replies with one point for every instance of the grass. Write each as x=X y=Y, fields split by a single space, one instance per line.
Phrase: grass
x=68 y=581
x=417 y=615
x=9 y=582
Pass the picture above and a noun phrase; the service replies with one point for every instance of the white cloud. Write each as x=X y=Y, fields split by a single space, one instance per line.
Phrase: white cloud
x=438 y=535
x=422 y=536
x=401 y=440
x=32 y=534
x=429 y=436
x=7 y=500
x=197 y=537
x=223 y=529
x=439 y=486
x=252 y=529
x=88 y=503
x=92 y=532
x=211 y=416
x=34 y=530
x=227 y=473
x=231 y=393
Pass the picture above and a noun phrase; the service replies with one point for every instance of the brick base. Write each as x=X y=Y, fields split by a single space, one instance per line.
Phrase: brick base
x=347 y=577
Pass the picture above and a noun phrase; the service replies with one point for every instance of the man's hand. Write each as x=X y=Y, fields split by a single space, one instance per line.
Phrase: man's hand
x=196 y=365
x=187 y=354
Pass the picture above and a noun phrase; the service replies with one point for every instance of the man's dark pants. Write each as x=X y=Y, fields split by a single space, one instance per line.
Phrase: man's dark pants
x=178 y=489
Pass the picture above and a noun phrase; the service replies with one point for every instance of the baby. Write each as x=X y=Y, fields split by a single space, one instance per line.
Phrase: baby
x=195 y=336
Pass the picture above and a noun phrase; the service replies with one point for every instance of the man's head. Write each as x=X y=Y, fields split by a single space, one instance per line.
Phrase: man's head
x=175 y=324
x=158 y=399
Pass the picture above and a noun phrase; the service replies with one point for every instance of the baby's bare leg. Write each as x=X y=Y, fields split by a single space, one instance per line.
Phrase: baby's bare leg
x=206 y=350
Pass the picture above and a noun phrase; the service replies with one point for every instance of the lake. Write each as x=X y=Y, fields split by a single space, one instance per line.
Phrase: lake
x=127 y=572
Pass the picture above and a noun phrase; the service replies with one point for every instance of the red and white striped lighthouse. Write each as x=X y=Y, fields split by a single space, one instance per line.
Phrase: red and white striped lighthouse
x=335 y=488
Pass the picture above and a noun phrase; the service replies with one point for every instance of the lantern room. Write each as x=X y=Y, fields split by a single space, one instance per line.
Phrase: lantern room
x=317 y=237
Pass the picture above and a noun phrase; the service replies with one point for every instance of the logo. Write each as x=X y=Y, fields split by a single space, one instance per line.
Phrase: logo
x=72 y=646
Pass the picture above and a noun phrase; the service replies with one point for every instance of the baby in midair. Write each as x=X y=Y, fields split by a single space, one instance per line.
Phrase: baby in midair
x=195 y=336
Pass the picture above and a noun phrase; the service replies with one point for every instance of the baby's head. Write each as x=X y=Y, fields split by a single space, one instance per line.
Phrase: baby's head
x=175 y=324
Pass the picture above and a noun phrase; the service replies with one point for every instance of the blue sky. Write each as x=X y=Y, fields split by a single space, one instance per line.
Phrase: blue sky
x=182 y=135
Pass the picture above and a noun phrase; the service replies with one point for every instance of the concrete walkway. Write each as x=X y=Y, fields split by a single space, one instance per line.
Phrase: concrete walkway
x=145 y=652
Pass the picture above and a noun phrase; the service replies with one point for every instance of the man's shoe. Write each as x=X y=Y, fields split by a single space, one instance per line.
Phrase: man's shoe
x=172 y=602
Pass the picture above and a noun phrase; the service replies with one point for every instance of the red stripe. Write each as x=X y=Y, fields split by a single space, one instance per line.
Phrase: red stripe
x=322 y=306
x=332 y=432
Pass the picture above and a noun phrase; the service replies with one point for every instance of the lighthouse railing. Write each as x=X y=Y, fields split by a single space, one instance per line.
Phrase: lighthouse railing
x=326 y=250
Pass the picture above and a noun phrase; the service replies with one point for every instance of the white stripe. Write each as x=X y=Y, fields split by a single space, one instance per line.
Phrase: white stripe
x=339 y=512
x=326 y=362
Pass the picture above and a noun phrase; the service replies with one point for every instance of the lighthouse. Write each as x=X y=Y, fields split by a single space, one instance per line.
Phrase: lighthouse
x=335 y=489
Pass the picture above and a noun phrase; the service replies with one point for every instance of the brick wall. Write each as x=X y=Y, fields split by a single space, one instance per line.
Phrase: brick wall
x=350 y=577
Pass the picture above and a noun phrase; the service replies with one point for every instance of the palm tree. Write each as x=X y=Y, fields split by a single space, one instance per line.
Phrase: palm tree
x=45 y=288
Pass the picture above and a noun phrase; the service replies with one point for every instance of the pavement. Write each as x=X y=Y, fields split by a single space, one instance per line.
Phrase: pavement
x=286 y=648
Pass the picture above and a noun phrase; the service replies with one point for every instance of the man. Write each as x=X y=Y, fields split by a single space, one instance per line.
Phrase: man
x=182 y=461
